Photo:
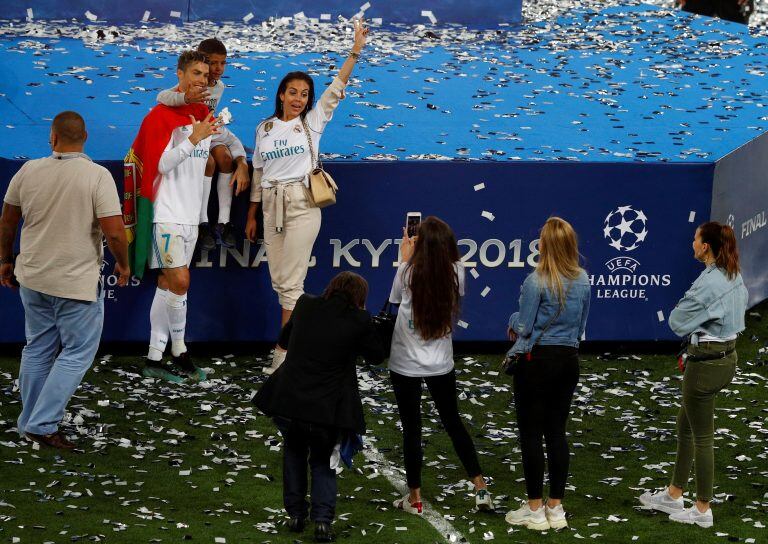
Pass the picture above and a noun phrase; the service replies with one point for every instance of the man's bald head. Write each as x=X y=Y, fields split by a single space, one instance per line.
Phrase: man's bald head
x=68 y=128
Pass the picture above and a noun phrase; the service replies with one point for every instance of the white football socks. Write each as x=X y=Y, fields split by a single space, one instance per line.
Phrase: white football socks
x=176 y=306
x=159 y=328
x=206 y=194
x=225 y=196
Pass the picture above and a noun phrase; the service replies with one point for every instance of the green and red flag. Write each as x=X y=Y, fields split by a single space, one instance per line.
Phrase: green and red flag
x=141 y=178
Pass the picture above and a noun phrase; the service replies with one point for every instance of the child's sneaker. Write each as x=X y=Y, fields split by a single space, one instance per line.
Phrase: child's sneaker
x=406 y=505
x=556 y=517
x=662 y=502
x=531 y=519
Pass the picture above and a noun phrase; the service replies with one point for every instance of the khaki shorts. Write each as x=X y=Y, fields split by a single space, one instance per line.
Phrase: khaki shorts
x=173 y=245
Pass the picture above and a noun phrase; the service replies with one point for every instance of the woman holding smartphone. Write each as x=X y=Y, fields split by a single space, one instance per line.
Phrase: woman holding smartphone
x=428 y=287
x=711 y=315
x=286 y=150
x=552 y=316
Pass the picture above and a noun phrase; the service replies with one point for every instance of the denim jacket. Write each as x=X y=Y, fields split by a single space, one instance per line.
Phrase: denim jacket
x=538 y=308
x=714 y=305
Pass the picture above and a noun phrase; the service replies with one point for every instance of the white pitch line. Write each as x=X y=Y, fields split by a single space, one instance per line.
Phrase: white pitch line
x=446 y=530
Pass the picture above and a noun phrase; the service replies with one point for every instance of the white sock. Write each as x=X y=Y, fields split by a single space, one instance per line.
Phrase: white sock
x=225 y=196
x=176 y=306
x=159 y=328
x=206 y=195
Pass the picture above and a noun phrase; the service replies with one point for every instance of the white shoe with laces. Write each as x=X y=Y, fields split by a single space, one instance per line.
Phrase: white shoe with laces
x=556 y=517
x=278 y=358
x=662 y=502
x=692 y=516
x=531 y=519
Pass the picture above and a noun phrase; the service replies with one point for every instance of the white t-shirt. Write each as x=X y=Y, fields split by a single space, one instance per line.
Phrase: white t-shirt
x=281 y=147
x=179 y=197
x=411 y=355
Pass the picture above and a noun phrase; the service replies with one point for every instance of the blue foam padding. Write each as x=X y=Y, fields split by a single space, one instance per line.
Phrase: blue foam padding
x=661 y=87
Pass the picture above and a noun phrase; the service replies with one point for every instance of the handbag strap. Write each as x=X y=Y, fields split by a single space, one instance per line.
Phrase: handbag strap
x=315 y=163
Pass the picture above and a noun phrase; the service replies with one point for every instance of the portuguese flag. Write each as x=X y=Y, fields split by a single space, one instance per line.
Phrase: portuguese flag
x=141 y=179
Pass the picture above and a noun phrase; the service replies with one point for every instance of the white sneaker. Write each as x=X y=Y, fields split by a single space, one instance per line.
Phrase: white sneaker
x=556 y=517
x=531 y=519
x=406 y=505
x=692 y=516
x=662 y=502
x=278 y=358
x=483 y=500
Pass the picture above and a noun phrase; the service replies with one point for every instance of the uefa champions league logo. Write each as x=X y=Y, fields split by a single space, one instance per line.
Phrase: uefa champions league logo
x=626 y=228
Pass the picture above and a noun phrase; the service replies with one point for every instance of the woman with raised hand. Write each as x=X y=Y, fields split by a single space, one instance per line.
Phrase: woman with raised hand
x=710 y=315
x=428 y=287
x=286 y=150
x=546 y=331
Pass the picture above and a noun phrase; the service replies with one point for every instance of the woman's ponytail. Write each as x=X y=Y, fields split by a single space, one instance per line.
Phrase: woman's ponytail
x=722 y=241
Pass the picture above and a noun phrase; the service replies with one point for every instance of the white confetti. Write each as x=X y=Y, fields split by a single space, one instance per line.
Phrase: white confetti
x=90 y=16
x=429 y=15
x=248 y=17
x=660 y=315
x=146 y=17
x=479 y=186
x=176 y=14
x=462 y=324
x=365 y=6
x=485 y=291
x=475 y=274
x=691 y=216
x=488 y=215
x=30 y=15
x=325 y=16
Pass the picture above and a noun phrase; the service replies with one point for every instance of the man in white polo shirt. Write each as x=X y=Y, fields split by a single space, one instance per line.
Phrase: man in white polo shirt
x=67 y=203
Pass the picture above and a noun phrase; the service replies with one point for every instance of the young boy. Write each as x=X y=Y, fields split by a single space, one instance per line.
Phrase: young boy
x=220 y=157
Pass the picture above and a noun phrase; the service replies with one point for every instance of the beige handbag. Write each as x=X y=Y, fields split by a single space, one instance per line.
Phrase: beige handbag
x=322 y=188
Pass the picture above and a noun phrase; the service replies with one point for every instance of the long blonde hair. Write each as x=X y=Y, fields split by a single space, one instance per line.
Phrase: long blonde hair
x=559 y=255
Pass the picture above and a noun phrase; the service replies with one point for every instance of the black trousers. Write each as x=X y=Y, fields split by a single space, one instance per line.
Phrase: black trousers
x=730 y=10
x=543 y=390
x=443 y=392
x=304 y=442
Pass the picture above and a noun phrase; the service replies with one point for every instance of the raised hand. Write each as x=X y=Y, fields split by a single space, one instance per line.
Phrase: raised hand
x=203 y=129
x=196 y=94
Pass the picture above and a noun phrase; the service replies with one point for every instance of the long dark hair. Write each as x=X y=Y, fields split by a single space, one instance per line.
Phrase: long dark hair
x=351 y=286
x=292 y=76
x=722 y=242
x=434 y=282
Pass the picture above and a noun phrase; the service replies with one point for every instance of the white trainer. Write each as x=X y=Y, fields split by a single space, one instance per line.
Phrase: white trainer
x=278 y=358
x=531 y=519
x=556 y=517
x=692 y=516
x=662 y=502
x=406 y=505
x=483 y=500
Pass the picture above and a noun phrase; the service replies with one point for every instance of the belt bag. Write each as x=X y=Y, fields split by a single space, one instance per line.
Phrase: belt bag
x=321 y=185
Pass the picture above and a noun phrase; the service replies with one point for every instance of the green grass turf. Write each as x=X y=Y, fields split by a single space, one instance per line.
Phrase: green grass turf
x=622 y=430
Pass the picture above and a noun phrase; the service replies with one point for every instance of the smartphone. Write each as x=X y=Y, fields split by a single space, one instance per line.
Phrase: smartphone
x=412 y=222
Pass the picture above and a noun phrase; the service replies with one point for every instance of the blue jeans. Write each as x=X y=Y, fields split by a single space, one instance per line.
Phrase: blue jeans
x=47 y=381
x=304 y=442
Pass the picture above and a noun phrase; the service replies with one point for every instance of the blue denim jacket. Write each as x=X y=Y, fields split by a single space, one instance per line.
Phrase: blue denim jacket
x=539 y=306
x=714 y=305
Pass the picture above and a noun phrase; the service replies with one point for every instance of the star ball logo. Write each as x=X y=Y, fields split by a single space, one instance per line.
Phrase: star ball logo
x=626 y=228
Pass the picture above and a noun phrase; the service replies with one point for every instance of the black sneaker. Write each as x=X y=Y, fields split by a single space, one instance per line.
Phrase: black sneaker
x=296 y=524
x=204 y=234
x=323 y=532
x=225 y=233
x=185 y=367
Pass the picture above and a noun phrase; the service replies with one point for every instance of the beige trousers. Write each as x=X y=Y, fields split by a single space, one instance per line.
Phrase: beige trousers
x=289 y=250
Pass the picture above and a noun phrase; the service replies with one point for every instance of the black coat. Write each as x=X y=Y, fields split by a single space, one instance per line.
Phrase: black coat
x=317 y=383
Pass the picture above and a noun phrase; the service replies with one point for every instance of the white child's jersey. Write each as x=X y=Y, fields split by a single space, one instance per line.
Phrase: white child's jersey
x=175 y=98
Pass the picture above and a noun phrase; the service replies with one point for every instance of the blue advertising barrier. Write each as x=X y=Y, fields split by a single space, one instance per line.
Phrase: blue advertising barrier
x=638 y=271
x=478 y=13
